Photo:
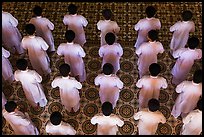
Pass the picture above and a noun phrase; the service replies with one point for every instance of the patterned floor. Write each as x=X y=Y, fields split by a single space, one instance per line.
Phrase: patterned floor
x=126 y=14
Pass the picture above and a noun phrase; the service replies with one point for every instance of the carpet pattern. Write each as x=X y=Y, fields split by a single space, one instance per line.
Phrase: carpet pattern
x=127 y=14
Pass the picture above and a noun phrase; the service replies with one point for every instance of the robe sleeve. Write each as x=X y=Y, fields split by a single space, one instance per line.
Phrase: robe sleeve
x=43 y=44
x=159 y=24
x=187 y=119
x=16 y=76
x=162 y=119
x=193 y=27
x=139 y=83
x=174 y=27
x=84 y=21
x=120 y=123
x=60 y=50
x=161 y=49
x=23 y=44
x=99 y=25
x=116 y=28
x=81 y=52
x=119 y=83
x=137 y=115
x=139 y=50
x=101 y=51
x=120 y=50
x=137 y=26
x=94 y=120
x=179 y=88
x=69 y=130
x=65 y=20
x=50 y=25
x=164 y=83
x=13 y=21
x=77 y=84
x=37 y=77
x=199 y=54
x=97 y=80
x=5 y=53
x=177 y=53
x=54 y=83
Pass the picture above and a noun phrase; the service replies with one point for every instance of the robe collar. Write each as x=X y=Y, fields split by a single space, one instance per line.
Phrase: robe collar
x=39 y=17
x=70 y=42
x=65 y=77
x=196 y=84
x=153 y=76
x=31 y=36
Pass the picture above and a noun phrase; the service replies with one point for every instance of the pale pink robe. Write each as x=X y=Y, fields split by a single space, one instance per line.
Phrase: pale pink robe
x=107 y=125
x=4 y=100
x=189 y=94
x=69 y=94
x=111 y=54
x=150 y=88
x=143 y=27
x=43 y=28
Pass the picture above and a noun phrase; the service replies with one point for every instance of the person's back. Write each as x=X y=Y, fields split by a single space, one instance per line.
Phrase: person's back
x=145 y=25
x=181 y=30
x=43 y=27
x=149 y=118
x=20 y=122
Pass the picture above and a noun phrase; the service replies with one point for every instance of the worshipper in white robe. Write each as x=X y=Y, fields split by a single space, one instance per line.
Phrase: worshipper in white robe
x=11 y=37
x=68 y=87
x=150 y=85
x=20 y=122
x=76 y=22
x=112 y=52
x=43 y=27
x=30 y=81
x=147 y=52
x=110 y=85
x=107 y=25
x=73 y=55
x=57 y=127
x=149 y=118
x=4 y=100
x=37 y=54
x=107 y=123
x=143 y=26
x=181 y=30
x=192 y=123
x=189 y=94
x=185 y=60
x=7 y=71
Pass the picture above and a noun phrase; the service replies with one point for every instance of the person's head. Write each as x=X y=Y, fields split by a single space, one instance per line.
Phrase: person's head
x=72 y=9
x=107 y=108
x=108 y=69
x=197 y=77
x=56 y=118
x=107 y=14
x=10 y=106
x=22 y=64
x=64 y=70
x=30 y=29
x=110 y=38
x=153 y=105
x=153 y=35
x=187 y=15
x=154 y=69
x=69 y=35
x=37 y=10
x=193 y=42
x=199 y=104
x=150 y=11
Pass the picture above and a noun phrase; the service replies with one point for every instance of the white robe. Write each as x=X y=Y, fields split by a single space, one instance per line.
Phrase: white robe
x=7 y=70
x=106 y=26
x=43 y=29
x=73 y=54
x=69 y=93
x=110 y=86
x=111 y=54
x=20 y=123
x=107 y=125
x=61 y=129
x=11 y=37
x=4 y=100
x=188 y=97
x=147 y=54
x=192 y=123
x=76 y=23
x=148 y=121
x=180 y=36
x=150 y=88
x=185 y=60
x=143 y=27
x=38 y=57
x=33 y=90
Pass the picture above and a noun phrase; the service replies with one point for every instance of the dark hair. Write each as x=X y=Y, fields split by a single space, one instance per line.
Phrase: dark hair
x=154 y=69
x=193 y=42
x=153 y=35
x=37 y=10
x=199 y=104
x=150 y=11
x=110 y=38
x=69 y=35
x=72 y=9
x=10 y=106
x=187 y=15
x=56 y=118
x=22 y=64
x=197 y=77
x=30 y=29
x=64 y=70
x=107 y=14
x=153 y=105
x=108 y=69
x=107 y=108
